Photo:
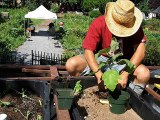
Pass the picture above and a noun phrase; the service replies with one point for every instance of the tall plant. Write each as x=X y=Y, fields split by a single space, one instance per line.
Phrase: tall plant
x=111 y=75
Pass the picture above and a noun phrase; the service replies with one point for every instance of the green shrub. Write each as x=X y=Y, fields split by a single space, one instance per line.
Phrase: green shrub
x=88 y=5
x=153 y=53
x=153 y=49
x=102 y=5
x=76 y=26
x=94 y=13
x=12 y=30
x=152 y=24
x=54 y=8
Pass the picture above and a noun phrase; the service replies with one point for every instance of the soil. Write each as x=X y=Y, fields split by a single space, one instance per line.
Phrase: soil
x=91 y=109
x=21 y=105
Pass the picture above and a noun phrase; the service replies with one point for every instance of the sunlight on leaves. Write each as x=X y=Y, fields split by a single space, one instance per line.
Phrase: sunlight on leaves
x=110 y=79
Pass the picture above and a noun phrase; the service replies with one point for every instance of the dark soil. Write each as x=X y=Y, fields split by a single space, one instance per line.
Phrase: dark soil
x=27 y=107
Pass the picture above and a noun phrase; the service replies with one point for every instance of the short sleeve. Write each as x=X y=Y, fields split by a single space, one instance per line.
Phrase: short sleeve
x=92 y=37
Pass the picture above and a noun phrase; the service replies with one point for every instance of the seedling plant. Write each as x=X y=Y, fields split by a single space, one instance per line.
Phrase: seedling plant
x=111 y=76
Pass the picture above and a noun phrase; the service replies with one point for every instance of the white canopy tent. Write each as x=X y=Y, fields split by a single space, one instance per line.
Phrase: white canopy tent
x=41 y=13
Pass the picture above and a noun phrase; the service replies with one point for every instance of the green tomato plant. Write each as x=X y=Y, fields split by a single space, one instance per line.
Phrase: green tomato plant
x=110 y=75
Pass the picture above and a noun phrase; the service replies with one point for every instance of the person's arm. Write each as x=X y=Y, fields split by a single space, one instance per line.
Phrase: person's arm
x=139 y=54
x=90 y=57
x=136 y=59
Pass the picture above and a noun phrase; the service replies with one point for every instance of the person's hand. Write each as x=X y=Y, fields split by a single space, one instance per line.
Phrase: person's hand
x=100 y=82
x=124 y=79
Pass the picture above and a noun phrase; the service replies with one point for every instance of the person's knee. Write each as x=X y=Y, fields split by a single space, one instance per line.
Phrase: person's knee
x=71 y=65
x=142 y=74
x=76 y=65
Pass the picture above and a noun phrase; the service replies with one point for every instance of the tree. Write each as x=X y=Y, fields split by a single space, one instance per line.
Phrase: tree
x=144 y=6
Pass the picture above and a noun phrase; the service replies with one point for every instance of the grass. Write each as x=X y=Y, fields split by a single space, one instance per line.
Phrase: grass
x=76 y=26
x=37 y=21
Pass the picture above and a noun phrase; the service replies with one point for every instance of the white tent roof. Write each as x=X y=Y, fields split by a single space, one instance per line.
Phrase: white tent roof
x=41 y=13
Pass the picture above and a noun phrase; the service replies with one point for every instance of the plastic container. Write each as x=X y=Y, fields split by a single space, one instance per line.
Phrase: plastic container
x=118 y=106
x=65 y=98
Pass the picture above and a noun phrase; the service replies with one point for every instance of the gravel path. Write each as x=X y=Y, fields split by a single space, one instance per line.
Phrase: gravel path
x=41 y=42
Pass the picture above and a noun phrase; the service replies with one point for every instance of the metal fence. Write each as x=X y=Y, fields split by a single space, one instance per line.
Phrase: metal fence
x=42 y=58
x=11 y=58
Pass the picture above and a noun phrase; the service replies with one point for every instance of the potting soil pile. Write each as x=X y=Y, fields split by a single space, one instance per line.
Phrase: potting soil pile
x=91 y=109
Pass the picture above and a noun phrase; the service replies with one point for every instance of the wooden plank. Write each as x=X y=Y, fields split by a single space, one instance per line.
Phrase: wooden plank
x=35 y=70
x=54 y=72
x=63 y=72
x=29 y=78
x=152 y=92
x=61 y=114
x=153 y=67
x=59 y=67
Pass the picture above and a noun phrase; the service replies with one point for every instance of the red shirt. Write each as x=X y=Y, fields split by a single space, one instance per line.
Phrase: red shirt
x=99 y=37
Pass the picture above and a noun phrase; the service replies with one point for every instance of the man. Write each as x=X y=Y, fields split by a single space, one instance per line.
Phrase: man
x=121 y=20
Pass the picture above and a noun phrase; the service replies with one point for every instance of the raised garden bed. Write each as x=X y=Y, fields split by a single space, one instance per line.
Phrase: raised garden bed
x=32 y=78
x=26 y=99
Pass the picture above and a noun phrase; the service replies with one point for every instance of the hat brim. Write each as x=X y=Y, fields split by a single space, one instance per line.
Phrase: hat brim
x=120 y=30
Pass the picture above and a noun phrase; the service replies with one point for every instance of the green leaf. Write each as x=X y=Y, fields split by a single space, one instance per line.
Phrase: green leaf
x=116 y=56
x=110 y=79
x=101 y=65
x=114 y=44
x=78 y=87
x=100 y=52
x=130 y=67
x=39 y=117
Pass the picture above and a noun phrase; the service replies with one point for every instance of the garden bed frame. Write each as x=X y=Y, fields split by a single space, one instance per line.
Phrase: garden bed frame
x=51 y=73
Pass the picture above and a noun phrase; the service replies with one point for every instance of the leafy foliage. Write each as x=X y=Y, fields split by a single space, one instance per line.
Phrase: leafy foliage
x=76 y=26
x=77 y=88
x=111 y=75
x=110 y=79
x=94 y=13
x=144 y=6
x=151 y=29
x=12 y=30
x=54 y=7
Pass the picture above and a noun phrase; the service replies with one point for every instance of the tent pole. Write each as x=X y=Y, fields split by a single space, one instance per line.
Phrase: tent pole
x=24 y=27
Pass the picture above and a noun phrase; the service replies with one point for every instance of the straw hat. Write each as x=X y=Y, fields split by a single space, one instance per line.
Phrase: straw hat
x=123 y=18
